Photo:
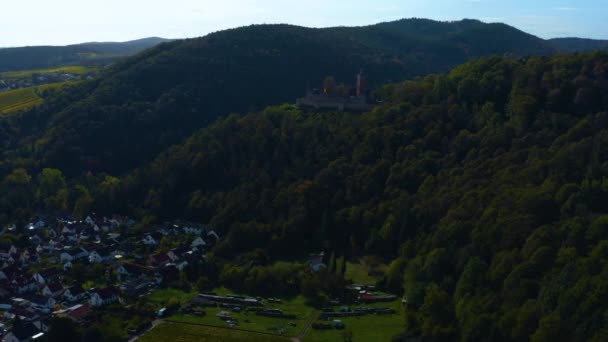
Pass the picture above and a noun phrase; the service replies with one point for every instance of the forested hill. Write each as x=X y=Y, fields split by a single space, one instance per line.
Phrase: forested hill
x=486 y=187
x=43 y=57
x=571 y=45
x=155 y=99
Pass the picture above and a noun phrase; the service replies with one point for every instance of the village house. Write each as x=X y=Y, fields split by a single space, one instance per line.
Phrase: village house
x=198 y=243
x=76 y=313
x=9 y=272
x=100 y=255
x=54 y=290
x=25 y=332
x=23 y=284
x=149 y=240
x=73 y=254
x=41 y=303
x=47 y=275
x=212 y=238
x=130 y=270
x=35 y=239
x=192 y=230
x=6 y=251
x=159 y=260
x=75 y=293
x=316 y=262
x=67 y=266
x=105 y=296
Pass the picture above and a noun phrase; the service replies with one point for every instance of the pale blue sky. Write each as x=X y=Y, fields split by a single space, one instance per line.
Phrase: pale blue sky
x=58 y=22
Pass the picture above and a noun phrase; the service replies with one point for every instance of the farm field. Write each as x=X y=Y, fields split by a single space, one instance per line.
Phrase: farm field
x=366 y=328
x=23 y=99
x=250 y=321
x=20 y=99
x=358 y=273
x=172 y=332
x=182 y=327
x=77 y=70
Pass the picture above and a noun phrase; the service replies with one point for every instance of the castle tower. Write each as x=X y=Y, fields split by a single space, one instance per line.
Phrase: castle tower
x=361 y=84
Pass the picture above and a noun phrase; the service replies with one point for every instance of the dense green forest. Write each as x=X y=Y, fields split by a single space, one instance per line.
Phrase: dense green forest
x=484 y=188
x=485 y=185
x=156 y=99
x=43 y=57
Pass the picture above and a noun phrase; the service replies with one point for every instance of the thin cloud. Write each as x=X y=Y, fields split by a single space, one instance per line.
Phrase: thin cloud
x=565 y=9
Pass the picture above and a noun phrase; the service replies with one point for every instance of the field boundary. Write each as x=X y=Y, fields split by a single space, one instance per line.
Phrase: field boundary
x=227 y=328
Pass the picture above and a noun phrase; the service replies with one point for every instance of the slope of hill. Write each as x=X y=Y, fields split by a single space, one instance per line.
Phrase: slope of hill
x=486 y=184
x=571 y=45
x=484 y=188
x=43 y=57
x=155 y=99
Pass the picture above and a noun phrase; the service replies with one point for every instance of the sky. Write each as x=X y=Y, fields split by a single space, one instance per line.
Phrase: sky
x=61 y=22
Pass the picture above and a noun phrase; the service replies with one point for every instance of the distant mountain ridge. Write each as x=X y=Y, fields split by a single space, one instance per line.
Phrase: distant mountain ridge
x=570 y=45
x=40 y=57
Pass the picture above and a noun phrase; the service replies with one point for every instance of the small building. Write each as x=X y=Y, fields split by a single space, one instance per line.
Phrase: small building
x=52 y=290
x=105 y=296
x=75 y=293
x=25 y=332
x=315 y=261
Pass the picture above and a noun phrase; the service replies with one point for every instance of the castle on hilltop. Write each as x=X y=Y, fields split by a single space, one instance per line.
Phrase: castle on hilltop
x=339 y=96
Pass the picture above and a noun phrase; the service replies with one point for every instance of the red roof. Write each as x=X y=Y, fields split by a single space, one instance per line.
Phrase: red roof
x=160 y=258
x=366 y=296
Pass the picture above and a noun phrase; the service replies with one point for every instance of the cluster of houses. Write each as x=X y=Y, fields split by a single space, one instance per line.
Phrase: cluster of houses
x=7 y=84
x=36 y=282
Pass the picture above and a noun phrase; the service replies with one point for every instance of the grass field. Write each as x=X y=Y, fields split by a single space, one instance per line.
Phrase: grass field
x=170 y=332
x=378 y=328
x=162 y=296
x=357 y=272
x=77 y=70
x=250 y=321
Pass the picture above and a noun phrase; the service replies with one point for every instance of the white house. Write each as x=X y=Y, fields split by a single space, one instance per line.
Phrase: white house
x=193 y=230
x=148 y=240
x=74 y=293
x=52 y=290
x=23 y=285
x=99 y=256
x=73 y=254
x=7 y=251
x=182 y=265
x=41 y=303
x=8 y=272
x=47 y=275
x=67 y=265
x=89 y=220
x=198 y=242
x=105 y=296
x=28 y=332
x=68 y=230
x=213 y=234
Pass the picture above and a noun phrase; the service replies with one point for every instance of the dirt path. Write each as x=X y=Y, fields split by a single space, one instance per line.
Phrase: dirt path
x=152 y=326
x=306 y=327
